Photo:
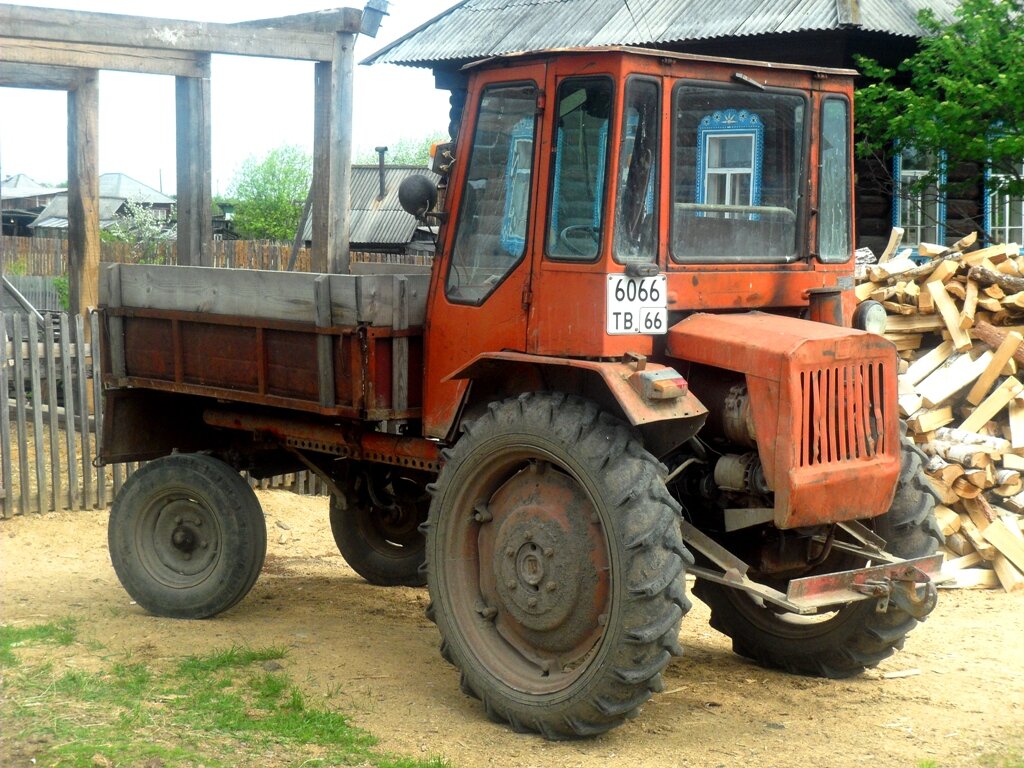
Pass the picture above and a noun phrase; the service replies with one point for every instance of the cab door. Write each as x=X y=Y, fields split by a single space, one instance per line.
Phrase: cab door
x=479 y=286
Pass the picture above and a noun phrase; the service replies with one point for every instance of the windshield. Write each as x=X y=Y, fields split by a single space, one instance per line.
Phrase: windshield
x=738 y=162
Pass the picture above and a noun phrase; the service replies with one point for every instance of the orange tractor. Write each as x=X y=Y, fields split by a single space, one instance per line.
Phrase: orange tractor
x=636 y=357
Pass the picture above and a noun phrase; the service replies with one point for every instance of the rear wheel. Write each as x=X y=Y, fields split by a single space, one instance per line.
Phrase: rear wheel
x=187 y=536
x=376 y=527
x=556 y=566
x=843 y=642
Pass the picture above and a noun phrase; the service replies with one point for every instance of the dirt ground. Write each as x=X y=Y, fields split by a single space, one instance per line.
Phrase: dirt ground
x=955 y=695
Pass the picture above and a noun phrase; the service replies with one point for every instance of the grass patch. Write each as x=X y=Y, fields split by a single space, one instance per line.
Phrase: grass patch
x=235 y=707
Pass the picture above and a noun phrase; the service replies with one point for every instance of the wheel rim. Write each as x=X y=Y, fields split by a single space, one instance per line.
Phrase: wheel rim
x=178 y=538
x=527 y=571
x=397 y=508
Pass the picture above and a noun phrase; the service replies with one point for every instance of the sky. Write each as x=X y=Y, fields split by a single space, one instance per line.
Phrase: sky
x=257 y=104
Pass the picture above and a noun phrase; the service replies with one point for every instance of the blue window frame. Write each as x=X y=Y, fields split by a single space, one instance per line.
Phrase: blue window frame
x=730 y=152
x=920 y=209
x=1003 y=213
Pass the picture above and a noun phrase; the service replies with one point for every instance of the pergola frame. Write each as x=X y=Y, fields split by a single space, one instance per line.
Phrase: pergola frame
x=64 y=50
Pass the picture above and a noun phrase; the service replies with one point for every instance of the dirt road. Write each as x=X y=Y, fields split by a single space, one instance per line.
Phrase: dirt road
x=954 y=696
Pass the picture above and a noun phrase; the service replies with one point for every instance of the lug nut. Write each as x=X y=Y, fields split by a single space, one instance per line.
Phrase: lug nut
x=551 y=586
x=532 y=602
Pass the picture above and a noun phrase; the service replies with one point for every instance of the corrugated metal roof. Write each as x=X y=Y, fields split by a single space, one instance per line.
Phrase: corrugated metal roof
x=383 y=221
x=19 y=186
x=476 y=29
x=121 y=185
x=56 y=211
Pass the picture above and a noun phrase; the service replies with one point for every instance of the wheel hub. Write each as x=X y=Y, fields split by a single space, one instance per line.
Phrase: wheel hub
x=184 y=538
x=549 y=566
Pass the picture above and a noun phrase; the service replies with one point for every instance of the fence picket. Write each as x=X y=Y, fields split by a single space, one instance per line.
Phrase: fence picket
x=54 y=423
x=19 y=412
x=42 y=502
x=6 y=479
x=97 y=399
x=69 y=413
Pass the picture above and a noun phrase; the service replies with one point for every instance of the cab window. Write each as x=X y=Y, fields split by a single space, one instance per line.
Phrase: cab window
x=495 y=211
x=636 y=225
x=581 y=149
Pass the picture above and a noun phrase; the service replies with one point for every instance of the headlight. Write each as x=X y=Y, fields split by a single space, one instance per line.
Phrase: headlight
x=870 y=316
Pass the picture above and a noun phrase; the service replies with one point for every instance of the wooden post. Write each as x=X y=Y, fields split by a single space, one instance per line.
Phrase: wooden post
x=341 y=157
x=193 y=131
x=83 y=193
x=320 y=190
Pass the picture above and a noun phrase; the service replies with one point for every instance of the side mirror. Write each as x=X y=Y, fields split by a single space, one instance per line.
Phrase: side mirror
x=417 y=195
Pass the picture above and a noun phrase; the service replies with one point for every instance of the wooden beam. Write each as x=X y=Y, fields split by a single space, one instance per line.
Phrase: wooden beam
x=330 y=21
x=167 y=34
x=342 y=71
x=154 y=62
x=193 y=132
x=38 y=76
x=83 y=194
x=321 y=190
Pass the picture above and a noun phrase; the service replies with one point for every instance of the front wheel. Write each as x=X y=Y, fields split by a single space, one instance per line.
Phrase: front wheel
x=187 y=536
x=556 y=567
x=842 y=642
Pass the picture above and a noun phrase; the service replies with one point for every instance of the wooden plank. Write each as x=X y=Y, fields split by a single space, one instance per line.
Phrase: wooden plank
x=1016 y=425
x=1004 y=353
x=926 y=421
x=42 y=503
x=97 y=398
x=339 y=180
x=37 y=76
x=6 y=498
x=1011 y=579
x=49 y=343
x=19 y=413
x=66 y=55
x=970 y=305
x=998 y=535
x=947 y=381
x=80 y=391
x=895 y=238
x=976 y=578
x=69 y=413
x=948 y=519
x=992 y=404
x=864 y=290
x=400 y=345
x=320 y=189
x=943 y=271
x=961 y=339
x=176 y=34
x=324 y=342
x=970 y=531
x=924 y=365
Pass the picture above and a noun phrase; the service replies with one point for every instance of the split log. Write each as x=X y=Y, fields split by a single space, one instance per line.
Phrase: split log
x=1004 y=353
x=1009 y=284
x=994 y=337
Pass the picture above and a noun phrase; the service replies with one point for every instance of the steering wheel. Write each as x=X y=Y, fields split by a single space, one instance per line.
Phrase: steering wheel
x=581 y=239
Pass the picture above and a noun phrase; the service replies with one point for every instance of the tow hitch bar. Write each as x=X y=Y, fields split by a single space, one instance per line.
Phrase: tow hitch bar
x=909 y=588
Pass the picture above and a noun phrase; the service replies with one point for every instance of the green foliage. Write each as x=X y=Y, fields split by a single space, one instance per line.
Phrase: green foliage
x=143 y=228
x=404 y=152
x=235 y=707
x=962 y=93
x=63 y=288
x=270 y=192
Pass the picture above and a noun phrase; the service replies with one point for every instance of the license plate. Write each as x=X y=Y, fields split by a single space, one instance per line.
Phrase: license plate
x=636 y=305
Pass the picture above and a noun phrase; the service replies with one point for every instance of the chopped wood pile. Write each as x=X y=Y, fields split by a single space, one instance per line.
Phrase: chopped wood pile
x=956 y=316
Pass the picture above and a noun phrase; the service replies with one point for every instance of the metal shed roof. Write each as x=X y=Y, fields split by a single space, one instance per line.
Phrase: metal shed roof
x=55 y=214
x=476 y=29
x=122 y=185
x=381 y=222
x=19 y=186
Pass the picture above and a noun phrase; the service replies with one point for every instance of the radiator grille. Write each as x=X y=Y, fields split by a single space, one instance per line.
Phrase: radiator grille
x=842 y=413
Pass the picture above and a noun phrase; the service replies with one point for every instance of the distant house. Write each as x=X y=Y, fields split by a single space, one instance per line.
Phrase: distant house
x=827 y=33
x=378 y=223
x=21 y=200
x=116 y=190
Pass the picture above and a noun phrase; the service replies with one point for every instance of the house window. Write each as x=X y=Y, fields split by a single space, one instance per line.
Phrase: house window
x=1004 y=214
x=919 y=207
x=730 y=145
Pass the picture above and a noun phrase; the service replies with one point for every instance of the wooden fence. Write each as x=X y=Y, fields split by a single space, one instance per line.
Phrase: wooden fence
x=50 y=422
x=48 y=257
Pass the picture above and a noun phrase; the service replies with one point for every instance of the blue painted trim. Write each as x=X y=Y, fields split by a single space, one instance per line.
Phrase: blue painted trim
x=986 y=205
x=514 y=242
x=726 y=122
x=940 y=212
x=897 y=174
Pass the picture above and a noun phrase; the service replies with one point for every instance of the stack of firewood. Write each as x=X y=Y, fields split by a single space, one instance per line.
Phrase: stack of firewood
x=956 y=316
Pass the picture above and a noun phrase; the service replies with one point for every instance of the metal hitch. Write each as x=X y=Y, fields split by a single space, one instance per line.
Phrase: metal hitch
x=909 y=588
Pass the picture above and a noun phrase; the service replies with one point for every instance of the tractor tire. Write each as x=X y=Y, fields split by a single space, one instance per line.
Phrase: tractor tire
x=556 y=567
x=846 y=641
x=187 y=536
x=383 y=544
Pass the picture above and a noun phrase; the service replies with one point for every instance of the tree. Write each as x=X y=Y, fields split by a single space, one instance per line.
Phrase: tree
x=404 y=152
x=270 y=192
x=961 y=95
x=143 y=229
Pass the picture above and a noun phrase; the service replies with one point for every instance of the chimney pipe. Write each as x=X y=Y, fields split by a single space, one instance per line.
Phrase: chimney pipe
x=381 y=152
